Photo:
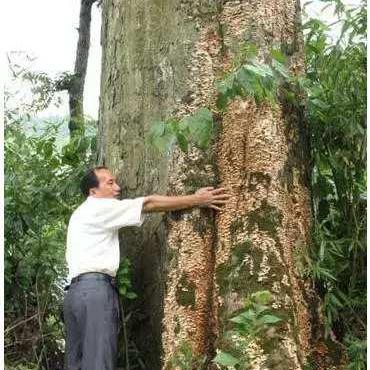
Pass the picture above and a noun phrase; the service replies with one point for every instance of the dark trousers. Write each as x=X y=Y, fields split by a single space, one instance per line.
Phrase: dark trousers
x=91 y=317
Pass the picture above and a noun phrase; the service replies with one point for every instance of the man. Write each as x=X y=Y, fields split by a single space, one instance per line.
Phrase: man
x=91 y=306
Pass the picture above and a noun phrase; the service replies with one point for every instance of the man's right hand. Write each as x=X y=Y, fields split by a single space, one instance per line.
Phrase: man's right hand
x=212 y=198
x=204 y=197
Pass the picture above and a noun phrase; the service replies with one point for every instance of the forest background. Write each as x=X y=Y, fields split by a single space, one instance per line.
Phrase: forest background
x=43 y=165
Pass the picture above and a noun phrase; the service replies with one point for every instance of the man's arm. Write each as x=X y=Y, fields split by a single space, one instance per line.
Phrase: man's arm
x=204 y=197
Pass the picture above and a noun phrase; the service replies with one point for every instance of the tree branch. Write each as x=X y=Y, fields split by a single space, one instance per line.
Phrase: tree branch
x=77 y=82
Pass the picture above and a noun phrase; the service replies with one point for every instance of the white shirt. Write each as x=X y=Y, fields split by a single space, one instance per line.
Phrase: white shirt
x=92 y=237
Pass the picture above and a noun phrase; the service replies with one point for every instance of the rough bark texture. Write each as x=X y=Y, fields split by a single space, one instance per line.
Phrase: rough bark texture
x=163 y=58
x=142 y=76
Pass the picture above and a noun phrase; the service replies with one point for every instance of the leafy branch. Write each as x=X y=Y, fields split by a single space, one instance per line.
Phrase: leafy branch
x=196 y=129
x=248 y=77
x=123 y=277
x=253 y=322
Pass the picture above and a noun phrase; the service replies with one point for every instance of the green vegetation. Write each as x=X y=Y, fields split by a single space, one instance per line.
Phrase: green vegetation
x=248 y=77
x=231 y=275
x=254 y=322
x=41 y=190
x=123 y=278
x=267 y=217
x=184 y=359
x=196 y=128
x=185 y=293
x=336 y=82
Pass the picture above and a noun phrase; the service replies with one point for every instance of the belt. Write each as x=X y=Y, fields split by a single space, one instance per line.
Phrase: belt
x=93 y=276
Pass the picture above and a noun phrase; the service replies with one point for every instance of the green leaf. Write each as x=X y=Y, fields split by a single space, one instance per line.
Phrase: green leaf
x=161 y=136
x=280 y=69
x=183 y=141
x=226 y=359
x=262 y=297
x=245 y=81
x=225 y=92
x=270 y=319
x=131 y=295
x=163 y=143
x=200 y=126
x=261 y=308
x=125 y=280
x=221 y=102
x=249 y=314
x=278 y=56
x=239 y=319
x=262 y=70
x=157 y=129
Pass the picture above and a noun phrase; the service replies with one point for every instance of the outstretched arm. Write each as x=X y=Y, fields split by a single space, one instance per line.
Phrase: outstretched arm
x=204 y=197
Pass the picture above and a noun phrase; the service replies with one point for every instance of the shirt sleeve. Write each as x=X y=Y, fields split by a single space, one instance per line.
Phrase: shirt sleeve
x=126 y=212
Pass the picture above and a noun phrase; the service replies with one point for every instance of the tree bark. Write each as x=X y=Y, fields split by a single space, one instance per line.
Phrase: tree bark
x=77 y=81
x=162 y=59
x=140 y=83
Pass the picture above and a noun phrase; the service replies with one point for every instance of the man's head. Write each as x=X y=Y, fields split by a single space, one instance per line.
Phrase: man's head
x=100 y=183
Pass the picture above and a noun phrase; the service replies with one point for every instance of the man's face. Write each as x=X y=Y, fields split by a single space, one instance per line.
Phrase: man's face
x=108 y=187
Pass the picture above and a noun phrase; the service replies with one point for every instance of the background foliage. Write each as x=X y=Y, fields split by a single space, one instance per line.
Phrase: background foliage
x=41 y=190
x=336 y=86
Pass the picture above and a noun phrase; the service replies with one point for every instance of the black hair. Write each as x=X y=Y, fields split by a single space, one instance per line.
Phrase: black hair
x=90 y=180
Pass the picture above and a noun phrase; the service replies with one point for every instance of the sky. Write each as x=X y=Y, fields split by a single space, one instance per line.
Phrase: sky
x=47 y=30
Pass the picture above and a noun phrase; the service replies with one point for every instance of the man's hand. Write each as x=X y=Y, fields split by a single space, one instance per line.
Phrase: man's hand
x=204 y=197
x=211 y=197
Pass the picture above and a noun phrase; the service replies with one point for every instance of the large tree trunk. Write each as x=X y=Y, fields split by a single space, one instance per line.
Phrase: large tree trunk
x=163 y=58
x=140 y=82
